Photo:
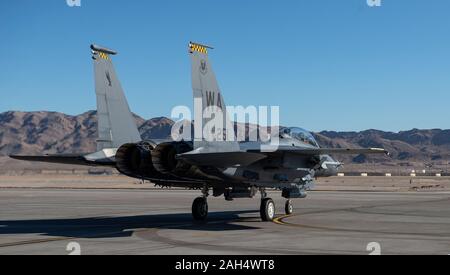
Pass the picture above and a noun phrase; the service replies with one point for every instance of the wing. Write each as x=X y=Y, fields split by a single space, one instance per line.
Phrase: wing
x=242 y=158
x=322 y=151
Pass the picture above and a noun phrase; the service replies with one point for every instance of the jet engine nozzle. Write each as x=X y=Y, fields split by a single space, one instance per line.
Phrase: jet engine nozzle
x=135 y=160
x=164 y=158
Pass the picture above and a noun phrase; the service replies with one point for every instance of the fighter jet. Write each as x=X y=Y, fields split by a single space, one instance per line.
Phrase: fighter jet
x=219 y=167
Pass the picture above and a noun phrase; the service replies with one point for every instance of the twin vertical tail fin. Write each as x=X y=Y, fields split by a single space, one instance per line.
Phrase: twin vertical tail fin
x=116 y=125
x=208 y=100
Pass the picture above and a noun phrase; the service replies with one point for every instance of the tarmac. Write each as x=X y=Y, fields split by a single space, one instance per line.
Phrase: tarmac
x=150 y=221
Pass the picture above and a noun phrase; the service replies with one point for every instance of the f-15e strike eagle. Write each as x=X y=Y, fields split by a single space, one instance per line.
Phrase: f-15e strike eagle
x=231 y=169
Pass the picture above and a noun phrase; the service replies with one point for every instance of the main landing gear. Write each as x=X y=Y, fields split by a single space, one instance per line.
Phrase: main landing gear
x=268 y=209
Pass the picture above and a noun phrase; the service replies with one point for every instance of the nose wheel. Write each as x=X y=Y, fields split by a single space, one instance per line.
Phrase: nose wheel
x=200 y=209
x=267 y=210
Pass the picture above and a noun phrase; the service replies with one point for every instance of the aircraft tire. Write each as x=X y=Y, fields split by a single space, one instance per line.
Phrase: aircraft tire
x=200 y=209
x=267 y=210
x=289 y=208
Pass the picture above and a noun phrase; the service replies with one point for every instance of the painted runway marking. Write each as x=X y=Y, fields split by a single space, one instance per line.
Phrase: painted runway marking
x=280 y=221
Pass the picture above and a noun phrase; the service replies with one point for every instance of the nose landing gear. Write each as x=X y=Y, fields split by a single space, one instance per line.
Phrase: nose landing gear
x=289 y=208
x=200 y=209
x=200 y=206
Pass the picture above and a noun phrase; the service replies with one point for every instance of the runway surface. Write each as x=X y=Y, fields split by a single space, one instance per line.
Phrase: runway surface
x=43 y=221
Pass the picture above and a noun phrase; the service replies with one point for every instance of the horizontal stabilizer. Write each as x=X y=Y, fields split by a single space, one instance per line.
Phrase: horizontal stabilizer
x=96 y=159
x=61 y=159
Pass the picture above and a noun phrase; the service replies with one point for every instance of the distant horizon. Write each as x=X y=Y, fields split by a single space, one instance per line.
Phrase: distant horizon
x=165 y=117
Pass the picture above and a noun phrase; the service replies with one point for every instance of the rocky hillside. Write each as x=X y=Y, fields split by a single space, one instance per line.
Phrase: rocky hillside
x=49 y=132
x=415 y=145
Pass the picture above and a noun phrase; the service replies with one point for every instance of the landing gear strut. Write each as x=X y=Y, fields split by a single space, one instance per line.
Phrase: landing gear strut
x=200 y=206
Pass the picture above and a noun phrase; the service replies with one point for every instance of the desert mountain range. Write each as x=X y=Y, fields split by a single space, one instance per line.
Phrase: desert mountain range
x=50 y=132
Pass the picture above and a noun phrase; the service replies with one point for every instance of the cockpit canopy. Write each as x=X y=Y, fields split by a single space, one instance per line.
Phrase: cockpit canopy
x=299 y=134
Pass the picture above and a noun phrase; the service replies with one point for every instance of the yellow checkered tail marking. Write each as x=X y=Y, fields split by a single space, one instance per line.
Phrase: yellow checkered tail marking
x=197 y=48
x=103 y=56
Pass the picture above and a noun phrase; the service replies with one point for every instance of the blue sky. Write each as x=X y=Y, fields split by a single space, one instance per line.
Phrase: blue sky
x=334 y=65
